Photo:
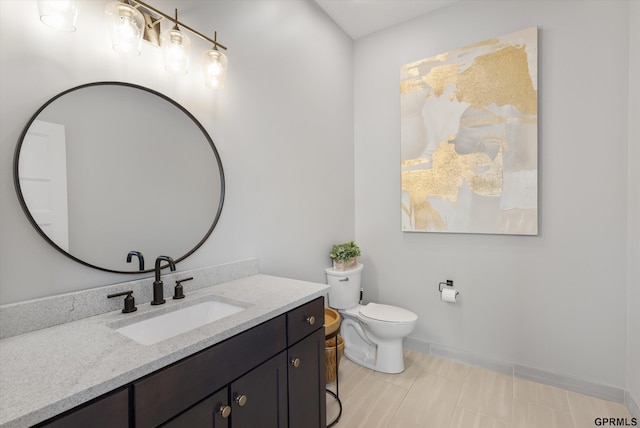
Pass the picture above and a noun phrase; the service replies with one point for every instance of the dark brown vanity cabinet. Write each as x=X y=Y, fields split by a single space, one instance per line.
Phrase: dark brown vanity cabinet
x=257 y=399
x=307 y=401
x=305 y=338
x=212 y=412
x=169 y=392
x=270 y=376
x=111 y=410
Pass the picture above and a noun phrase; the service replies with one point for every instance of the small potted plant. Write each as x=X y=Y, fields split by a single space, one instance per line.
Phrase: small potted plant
x=344 y=256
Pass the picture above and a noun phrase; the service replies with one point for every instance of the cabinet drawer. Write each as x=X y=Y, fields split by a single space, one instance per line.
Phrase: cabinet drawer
x=162 y=395
x=210 y=413
x=108 y=411
x=304 y=320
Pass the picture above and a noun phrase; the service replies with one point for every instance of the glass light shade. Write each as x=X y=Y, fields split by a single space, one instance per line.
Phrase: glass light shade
x=215 y=68
x=176 y=47
x=126 y=26
x=59 y=14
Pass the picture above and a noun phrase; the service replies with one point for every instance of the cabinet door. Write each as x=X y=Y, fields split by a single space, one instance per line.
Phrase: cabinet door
x=259 y=398
x=307 y=400
x=109 y=411
x=168 y=392
x=212 y=412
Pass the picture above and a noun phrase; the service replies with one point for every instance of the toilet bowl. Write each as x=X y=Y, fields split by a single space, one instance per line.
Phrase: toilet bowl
x=372 y=333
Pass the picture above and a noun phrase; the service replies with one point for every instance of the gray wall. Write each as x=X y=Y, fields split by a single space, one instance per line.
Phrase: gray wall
x=555 y=302
x=633 y=292
x=283 y=127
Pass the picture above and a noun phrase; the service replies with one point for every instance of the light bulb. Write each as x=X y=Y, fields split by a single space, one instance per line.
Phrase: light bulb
x=59 y=14
x=176 y=47
x=215 y=68
x=127 y=30
x=126 y=25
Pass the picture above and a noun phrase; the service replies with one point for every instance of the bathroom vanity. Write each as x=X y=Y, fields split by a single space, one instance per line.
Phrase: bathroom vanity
x=262 y=377
x=263 y=366
x=76 y=360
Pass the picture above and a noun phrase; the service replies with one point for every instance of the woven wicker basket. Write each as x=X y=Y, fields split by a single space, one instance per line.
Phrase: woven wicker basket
x=330 y=357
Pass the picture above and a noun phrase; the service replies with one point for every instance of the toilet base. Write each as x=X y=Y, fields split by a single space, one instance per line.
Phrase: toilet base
x=391 y=366
x=385 y=357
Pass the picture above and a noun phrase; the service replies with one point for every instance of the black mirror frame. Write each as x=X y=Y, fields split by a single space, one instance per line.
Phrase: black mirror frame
x=23 y=204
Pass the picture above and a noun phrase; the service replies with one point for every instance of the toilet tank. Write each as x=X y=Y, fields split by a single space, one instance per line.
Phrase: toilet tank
x=345 y=287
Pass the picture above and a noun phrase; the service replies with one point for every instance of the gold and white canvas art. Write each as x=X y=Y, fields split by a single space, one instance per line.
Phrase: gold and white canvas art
x=469 y=139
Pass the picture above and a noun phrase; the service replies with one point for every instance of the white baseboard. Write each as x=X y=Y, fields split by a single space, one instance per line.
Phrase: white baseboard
x=569 y=383
x=631 y=405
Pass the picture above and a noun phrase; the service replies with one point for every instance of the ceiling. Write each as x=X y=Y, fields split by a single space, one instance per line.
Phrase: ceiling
x=361 y=17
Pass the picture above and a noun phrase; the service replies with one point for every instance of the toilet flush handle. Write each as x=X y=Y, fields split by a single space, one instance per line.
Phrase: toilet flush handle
x=344 y=279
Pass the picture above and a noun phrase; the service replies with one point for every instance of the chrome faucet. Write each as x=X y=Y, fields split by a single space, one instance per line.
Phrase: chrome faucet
x=158 y=288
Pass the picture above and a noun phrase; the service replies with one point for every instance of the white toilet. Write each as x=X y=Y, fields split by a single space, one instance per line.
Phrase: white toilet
x=372 y=333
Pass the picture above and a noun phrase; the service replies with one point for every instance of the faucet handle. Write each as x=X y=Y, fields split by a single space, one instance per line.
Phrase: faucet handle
x=129 y=301
x=179 y=290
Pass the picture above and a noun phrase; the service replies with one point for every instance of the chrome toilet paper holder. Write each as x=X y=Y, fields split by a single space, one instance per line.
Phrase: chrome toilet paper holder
x=448 y=283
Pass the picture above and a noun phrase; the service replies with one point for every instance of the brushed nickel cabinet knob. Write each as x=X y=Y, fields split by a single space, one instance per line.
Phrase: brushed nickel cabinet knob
x=241 y=400
x=225 y=411
x=295 y=362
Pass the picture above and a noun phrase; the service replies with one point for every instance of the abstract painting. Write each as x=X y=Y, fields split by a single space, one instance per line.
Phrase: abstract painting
x=469 y=138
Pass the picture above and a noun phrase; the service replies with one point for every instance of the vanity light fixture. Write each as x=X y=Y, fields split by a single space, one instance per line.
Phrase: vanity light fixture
x=126 y=26
x=59 y=14
x=130 y=21
x=176 y=47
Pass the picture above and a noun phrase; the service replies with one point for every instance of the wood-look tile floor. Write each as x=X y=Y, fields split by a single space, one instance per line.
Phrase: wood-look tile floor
x=438 y=393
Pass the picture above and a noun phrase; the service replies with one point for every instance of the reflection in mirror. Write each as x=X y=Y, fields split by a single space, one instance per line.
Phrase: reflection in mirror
x=107 y=169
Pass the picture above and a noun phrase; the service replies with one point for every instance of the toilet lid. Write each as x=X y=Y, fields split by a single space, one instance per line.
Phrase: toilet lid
x=387 y=313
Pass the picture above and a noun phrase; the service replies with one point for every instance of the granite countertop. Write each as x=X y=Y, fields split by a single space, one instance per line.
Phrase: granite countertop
x=46 y=372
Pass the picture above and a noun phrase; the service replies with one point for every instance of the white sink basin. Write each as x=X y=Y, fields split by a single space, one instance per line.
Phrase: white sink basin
x=170 y=324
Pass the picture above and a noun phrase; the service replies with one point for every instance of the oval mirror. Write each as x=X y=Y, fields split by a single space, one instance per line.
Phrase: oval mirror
x=109 y=168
